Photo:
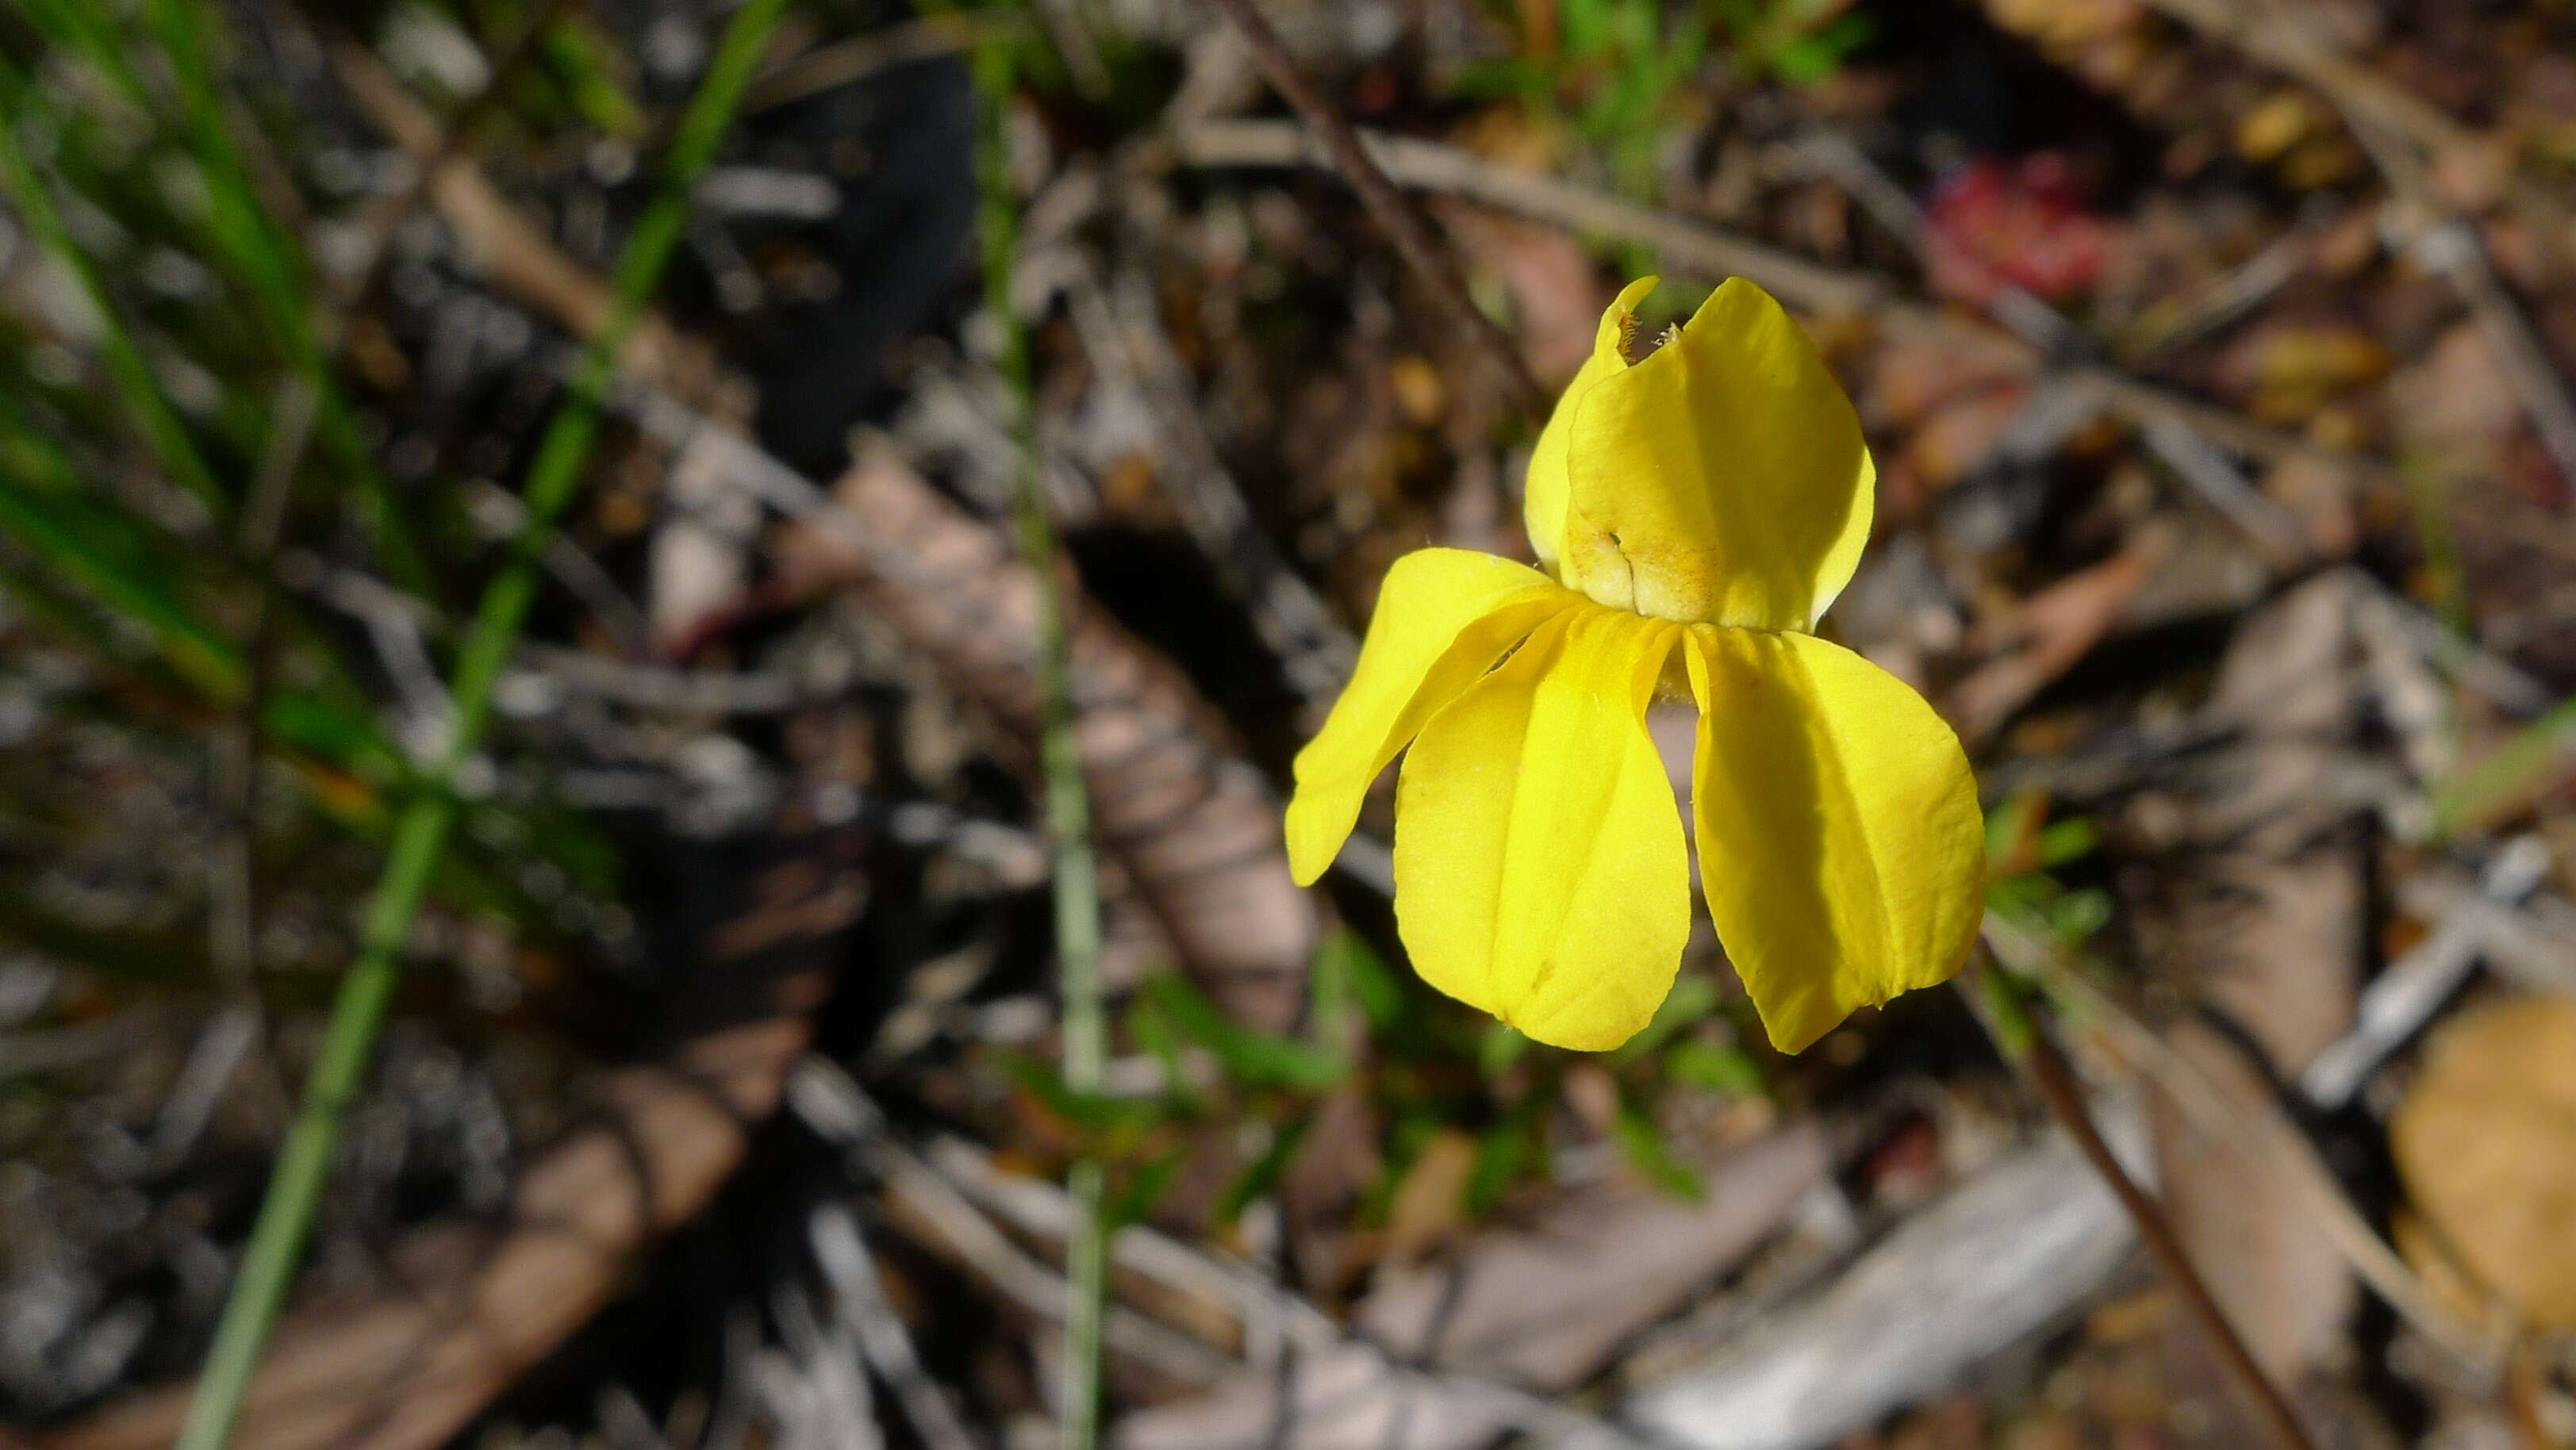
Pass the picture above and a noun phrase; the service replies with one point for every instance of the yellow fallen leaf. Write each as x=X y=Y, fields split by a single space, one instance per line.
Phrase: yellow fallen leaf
x=2274 y=125
x=2486 y=1143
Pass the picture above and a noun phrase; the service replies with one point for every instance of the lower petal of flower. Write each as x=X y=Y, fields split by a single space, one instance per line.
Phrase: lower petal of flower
x=1443 y=617
x=1539 y=865
x=1840 y=842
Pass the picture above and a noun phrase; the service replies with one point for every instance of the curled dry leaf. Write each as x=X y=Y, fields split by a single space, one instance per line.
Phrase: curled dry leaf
x=2483 y=1141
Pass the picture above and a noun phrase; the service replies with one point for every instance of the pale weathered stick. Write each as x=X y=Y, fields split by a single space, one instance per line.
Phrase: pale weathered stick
x=2008 y=1252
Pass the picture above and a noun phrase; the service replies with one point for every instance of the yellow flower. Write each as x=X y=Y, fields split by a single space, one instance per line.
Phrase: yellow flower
x=1708 y=501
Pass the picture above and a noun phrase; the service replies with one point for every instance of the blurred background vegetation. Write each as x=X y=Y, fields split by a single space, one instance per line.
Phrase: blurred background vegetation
x=515 y=640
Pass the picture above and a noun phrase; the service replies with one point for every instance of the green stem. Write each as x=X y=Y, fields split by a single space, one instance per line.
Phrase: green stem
x=1068 y=808
x=420 y=836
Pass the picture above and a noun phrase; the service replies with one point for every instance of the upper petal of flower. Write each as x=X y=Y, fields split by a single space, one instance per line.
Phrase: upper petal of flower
x=1443 y=617
x=1539 y=865
x=1543 y=495
x=1723 y=478
x=1840 y=843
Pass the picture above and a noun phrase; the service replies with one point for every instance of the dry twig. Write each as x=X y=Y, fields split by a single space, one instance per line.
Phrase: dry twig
x=1394 y=215
x=2052 y=1079
x=2255 y=1129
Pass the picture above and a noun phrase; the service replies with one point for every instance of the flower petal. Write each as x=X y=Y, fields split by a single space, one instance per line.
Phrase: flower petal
x=1840 y=843
x=1539 y=867
x=1443 y=617
x=1723 y=478
x=1543 y=495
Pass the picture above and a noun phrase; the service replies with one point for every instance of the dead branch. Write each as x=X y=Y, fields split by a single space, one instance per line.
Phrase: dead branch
x=2006 y=1253
x=1540 y=1310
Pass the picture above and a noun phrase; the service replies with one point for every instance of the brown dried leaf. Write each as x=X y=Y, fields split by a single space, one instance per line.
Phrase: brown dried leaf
x=1962 y=433
x=2244 y=1222
x=1431 y=1203
x=2050 y=630
x=2266 y=925
x=2455 y=400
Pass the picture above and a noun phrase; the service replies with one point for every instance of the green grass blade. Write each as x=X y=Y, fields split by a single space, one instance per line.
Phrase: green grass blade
x=85 y=31
x=273 y=264
x=2531 y=762
x=1068 y=808
x=169 y=438
x=57 y=530
x=266 y=259
x=420 y=837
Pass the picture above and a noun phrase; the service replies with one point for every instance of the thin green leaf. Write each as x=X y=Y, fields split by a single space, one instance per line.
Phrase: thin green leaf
x=169 y=438
x=2530 y=761
x=1143 y=1192
x=1647 y=1152
x=69 y=537
x=1260 y=1177
x=1730 y=1071
x=420 y=836
x=1349 y=964
x=1692 y=998
x=1250 y=1057
x=1508 y=1151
